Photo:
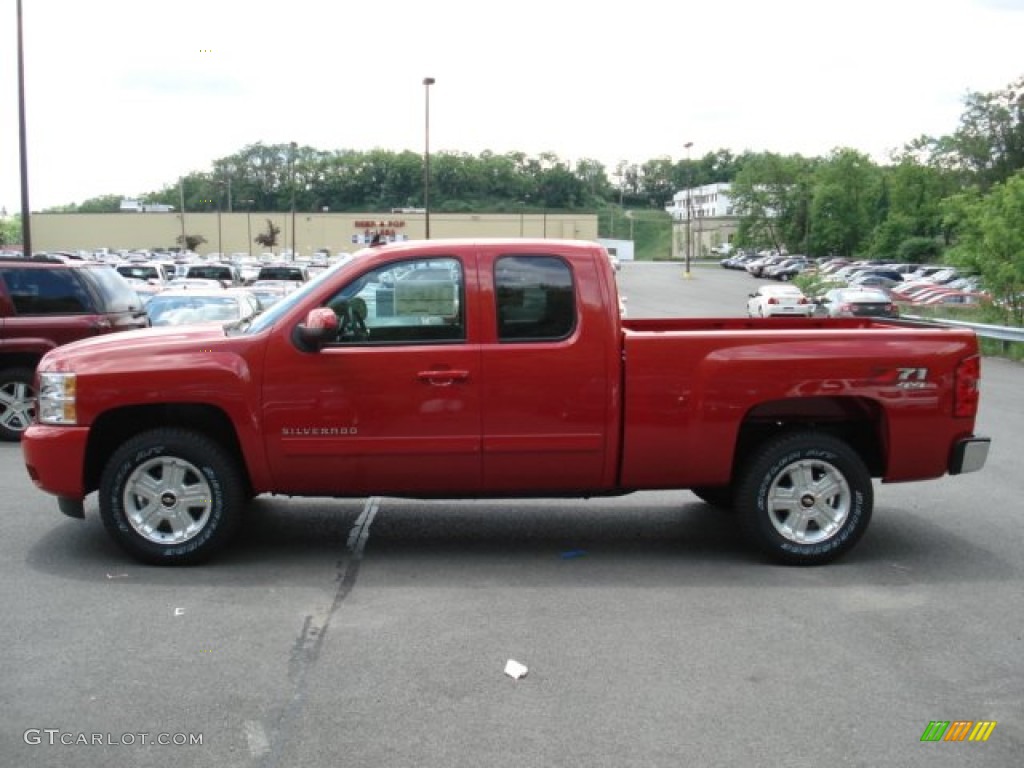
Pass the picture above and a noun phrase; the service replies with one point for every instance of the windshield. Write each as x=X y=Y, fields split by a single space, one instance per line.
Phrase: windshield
x=266 y=319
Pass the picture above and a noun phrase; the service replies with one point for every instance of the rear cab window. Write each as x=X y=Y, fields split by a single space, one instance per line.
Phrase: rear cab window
x=535 y=298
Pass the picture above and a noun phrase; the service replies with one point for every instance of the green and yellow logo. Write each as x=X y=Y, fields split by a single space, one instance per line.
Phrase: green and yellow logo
x=958 y=730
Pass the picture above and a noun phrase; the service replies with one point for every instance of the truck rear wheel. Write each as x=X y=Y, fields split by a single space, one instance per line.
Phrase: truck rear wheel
x=805 y=498
x=171 y=496
x=17 y=402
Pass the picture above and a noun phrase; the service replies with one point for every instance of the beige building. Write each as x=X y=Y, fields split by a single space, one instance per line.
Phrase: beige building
x=308 y=232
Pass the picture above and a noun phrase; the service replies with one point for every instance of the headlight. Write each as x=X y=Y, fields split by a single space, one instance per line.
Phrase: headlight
x=57 y=403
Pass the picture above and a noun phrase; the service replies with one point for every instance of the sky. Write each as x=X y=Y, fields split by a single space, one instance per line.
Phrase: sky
x=126 y=96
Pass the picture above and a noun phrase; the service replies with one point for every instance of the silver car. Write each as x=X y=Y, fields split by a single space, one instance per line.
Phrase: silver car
x=858 y=302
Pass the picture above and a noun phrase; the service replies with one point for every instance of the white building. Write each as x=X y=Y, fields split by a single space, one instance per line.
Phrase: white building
x=709 y=201
x=137 y=206
x=711 y=223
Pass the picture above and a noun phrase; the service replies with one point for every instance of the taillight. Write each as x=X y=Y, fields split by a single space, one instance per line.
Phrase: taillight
x=773 y=300
x=965 y=387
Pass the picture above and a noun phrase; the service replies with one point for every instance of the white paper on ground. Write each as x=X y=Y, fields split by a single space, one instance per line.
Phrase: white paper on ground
x=515 y=670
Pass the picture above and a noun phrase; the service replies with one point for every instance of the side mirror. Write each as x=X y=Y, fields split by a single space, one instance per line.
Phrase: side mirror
x=320 y=327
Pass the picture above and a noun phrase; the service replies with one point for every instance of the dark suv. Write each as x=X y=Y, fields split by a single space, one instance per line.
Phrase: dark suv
x=43 y=304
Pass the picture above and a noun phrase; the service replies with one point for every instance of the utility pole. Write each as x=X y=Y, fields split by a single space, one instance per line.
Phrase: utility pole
x=689 y=207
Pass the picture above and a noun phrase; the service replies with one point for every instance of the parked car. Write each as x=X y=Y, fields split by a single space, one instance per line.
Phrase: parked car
x=858 y=302
x=45 y=303
x=953 y=298
x=200 y=283
x=788 y=269
x=882 y=280
x=738 y=260
x=190 y=307
x=154 y=273
x=757 y=267
x=269 y=292
x=226 y=273
x=532 y=385
x=293 y=272
x=779 y=300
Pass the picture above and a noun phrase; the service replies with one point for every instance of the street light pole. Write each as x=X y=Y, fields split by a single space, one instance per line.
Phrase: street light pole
x=689 y=209
x=184 y=238
x=427 y=82
x=220 y=231
x=293 y=147
x=26 y=211
x=248 y=222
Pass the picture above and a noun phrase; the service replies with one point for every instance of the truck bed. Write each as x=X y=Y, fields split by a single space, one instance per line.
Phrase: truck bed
x=693 y=385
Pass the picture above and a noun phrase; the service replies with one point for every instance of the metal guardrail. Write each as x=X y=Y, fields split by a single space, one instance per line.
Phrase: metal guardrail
x=1005 y=333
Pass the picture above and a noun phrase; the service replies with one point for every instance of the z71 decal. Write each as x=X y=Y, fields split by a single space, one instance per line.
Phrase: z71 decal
x=912 y=378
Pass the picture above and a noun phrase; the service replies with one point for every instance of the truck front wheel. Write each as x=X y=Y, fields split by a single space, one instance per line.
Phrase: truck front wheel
x=805 y=498
x=171 y=496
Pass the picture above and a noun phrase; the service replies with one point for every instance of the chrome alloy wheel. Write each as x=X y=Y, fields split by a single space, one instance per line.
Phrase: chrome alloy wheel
x=808 y=501
x=167 y=500
x=17 y=405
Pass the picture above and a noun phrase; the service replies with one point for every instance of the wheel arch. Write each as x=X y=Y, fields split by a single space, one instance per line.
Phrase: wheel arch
x=858 y=421
x=20 y=360
x=114 y=427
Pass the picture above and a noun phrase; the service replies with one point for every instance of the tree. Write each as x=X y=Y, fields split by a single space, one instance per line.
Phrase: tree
x=990 y=240
x=910 y=220
x=770 y=194
x=990 y=139
x=268 y=239
x=191 y=241
x=844 y=212
x=10 y=230
x=659 y=182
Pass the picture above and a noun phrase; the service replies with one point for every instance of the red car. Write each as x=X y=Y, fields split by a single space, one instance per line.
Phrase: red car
x=45 y=303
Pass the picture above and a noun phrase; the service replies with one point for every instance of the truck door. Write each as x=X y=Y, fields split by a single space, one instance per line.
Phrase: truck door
x=548 y=387
x=393 y=405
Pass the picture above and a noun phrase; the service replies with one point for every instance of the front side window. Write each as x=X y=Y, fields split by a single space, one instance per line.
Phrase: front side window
x=416 y=301
x=536 y=299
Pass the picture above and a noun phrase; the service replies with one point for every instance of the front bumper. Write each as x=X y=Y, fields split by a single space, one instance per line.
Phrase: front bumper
x=969 y=455
x=55 y=459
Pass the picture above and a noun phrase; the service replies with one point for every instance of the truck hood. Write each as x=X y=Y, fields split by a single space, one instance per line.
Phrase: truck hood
x=147 y=342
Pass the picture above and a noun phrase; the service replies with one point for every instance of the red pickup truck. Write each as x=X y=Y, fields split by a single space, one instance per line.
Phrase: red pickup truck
x=498 y=368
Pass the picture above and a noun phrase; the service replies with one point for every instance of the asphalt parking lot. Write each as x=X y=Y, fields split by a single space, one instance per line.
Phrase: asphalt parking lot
x=375 y=632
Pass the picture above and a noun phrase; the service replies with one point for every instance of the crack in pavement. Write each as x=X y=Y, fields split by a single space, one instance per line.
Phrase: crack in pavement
x=310 y=642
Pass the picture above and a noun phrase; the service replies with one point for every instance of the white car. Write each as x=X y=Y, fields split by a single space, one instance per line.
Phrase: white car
x=197 y=306
x=779 y=301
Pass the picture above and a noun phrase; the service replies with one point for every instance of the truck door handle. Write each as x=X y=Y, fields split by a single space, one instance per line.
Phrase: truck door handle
x=442 y=377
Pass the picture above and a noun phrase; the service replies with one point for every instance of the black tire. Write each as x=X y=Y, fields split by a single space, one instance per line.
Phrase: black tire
x=171 y=496
x=720 y=497
x=17 y=402
x=805 y=498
